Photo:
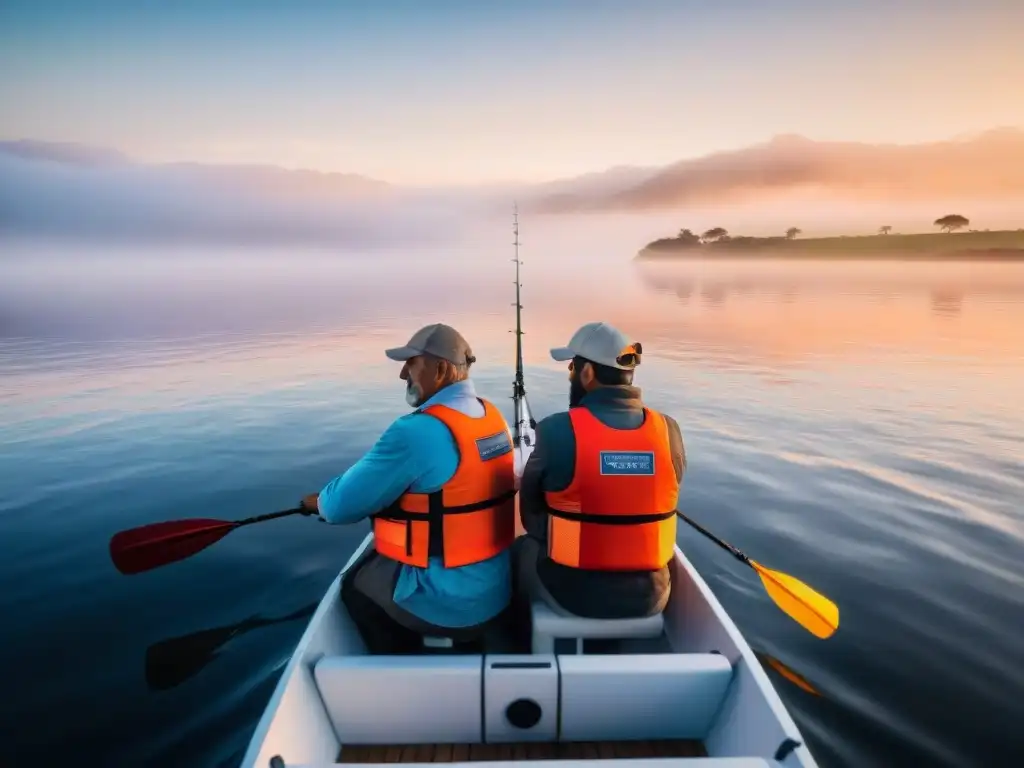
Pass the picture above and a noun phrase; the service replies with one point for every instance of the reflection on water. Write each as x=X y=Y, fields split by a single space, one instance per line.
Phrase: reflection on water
x=858 y=426
x=787 y=673
x=172 y=661
x=842 y=309
x=947 y=302
x=864 y=278
x=946 y=285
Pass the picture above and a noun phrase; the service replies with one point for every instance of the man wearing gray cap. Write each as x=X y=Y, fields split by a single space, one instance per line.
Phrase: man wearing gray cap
x=439 y=486
x=599 y=493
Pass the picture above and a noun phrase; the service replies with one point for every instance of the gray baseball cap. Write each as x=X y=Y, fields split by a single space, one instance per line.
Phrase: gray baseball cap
x=439 y=340
x=601 y=343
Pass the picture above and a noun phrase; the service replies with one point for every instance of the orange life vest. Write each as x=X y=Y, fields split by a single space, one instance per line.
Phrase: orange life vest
x=472 y=517
x=619 y=511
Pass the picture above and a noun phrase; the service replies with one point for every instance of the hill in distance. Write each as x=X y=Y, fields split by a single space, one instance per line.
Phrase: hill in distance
x=990 y=165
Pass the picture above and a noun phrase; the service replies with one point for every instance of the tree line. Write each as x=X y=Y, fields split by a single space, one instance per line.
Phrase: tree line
x=948 y=223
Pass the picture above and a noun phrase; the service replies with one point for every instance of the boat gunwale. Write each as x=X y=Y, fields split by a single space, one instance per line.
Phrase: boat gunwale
x=259 y=734
x=763 y=682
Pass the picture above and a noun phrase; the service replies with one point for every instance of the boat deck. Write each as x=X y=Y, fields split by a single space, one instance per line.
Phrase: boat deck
x=457 y=753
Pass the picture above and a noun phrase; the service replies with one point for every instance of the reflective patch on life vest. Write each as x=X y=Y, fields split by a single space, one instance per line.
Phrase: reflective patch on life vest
x=627 y=462
x=493 y=446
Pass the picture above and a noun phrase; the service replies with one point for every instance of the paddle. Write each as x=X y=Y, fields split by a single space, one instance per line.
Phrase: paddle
x=173 y=661
x=151 y=546
x=814 y=612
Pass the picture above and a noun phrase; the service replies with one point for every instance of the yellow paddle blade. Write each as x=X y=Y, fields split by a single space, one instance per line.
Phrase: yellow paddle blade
x=815 y=613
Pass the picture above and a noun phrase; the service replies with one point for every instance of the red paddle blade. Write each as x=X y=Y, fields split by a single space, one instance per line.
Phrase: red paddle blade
x=150 y=546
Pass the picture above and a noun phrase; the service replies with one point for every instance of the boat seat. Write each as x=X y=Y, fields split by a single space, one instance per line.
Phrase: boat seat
x=549 y=625
x=418 y=699
x=670 y=696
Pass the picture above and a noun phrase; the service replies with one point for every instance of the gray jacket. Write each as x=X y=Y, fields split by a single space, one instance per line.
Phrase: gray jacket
x=596 y=594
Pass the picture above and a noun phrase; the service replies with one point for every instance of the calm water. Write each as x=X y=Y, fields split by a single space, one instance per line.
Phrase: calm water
x=859 y=426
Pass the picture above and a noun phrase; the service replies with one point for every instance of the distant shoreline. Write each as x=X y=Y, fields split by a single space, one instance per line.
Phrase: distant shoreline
x=1005 y=245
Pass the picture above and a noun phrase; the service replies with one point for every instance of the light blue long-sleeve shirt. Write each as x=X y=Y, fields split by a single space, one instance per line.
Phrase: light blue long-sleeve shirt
x=417 y=453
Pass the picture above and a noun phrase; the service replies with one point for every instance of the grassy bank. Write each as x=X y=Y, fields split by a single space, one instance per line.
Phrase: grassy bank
x=1007 y=245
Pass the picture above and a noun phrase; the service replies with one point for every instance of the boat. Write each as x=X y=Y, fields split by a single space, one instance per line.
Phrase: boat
x=679 y=688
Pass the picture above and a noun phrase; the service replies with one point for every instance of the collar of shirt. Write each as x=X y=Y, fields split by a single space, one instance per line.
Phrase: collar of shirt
x=619 y=396
x=451 y=395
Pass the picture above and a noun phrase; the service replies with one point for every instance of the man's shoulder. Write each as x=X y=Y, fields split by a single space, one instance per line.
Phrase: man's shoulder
x=675 y=434
x=407 y=421
x=673 y=425
x=554 y=425
x=424 y=442
x=414 y=428
x=676 y=445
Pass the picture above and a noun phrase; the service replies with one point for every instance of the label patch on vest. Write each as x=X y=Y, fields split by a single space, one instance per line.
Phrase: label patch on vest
x=493 y=446
x=627 y=463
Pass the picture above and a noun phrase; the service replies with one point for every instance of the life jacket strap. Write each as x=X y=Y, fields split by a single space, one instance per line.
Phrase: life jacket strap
x=585 y=517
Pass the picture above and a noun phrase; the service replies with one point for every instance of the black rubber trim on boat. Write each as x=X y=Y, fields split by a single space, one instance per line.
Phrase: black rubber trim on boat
x=786 y=748
x=558 y=703
x=483 y=698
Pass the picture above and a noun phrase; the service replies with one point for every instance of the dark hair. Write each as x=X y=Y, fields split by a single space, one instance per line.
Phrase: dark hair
x=605 y=374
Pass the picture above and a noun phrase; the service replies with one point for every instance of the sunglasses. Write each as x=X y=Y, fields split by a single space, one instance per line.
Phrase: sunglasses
x=630 y=356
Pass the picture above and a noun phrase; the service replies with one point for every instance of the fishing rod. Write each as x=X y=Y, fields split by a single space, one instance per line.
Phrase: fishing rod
x=519 y=434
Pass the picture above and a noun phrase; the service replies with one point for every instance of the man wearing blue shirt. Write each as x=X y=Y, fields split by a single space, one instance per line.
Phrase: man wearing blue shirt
x=418 y=460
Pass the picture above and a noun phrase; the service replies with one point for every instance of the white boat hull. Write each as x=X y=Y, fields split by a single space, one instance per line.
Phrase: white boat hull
x=710 y=687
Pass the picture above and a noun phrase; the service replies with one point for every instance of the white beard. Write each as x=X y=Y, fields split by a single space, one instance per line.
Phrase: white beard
x=412 y=395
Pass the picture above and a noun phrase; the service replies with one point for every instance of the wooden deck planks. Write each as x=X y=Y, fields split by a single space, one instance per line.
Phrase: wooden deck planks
x=455 y=753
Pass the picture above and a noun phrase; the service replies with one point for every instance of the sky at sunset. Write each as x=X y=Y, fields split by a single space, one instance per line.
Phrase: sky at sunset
x=468 y=92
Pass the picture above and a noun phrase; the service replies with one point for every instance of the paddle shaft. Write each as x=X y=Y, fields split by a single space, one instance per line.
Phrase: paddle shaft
x=275 y=515
x=723 y=544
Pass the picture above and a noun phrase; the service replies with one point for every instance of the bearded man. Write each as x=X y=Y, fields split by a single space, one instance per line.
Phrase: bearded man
x=599 y=492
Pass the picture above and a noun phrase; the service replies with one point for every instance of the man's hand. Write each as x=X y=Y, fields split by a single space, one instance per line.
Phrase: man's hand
x=310 y=504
